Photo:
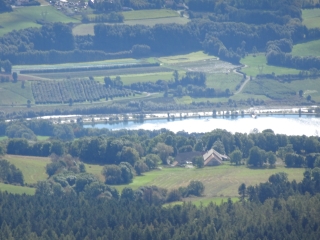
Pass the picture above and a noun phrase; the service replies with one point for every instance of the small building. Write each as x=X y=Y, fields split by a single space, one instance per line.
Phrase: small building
x=213 y=158
x=210 y=158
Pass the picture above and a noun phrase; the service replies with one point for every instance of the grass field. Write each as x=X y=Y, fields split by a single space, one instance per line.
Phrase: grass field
x=143 y=77
x=13 y=93
x=260 y=60
x=221 y=181
x=311 y=48
x=85 y=29
x=188 y=57
x=311 y=17
x=17 y=189
x=147 y=14
x=309 y=86
x=25 y=17
x=95 y=170
x=223 y=81
x=33 y=168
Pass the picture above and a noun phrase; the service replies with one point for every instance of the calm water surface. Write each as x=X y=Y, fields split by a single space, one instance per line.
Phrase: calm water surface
x=280 y=124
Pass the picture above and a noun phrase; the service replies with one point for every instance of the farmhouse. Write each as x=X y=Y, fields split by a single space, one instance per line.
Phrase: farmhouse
x=210 y=158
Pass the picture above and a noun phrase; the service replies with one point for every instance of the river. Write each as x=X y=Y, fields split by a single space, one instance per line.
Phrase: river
x=280 y=124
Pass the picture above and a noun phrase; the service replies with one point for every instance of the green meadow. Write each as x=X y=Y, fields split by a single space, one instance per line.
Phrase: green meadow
x=13 y=93
x=33 y=168
x=16 y=189
x=311 y=48
x=311 y=17
x=24 y=17
x=260 y=61
x=147 y=14
x=222 y=181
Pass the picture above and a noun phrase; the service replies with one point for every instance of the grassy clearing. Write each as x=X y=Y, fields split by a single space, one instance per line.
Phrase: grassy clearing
x=33 y=168
x=25 y=17
x=3 y=138
x=43 y=138
x=254 y=62
x=311 y=17
x=85 y=29
x=222 y=181
x=13 y=93
x=147 y=14
x=190 y=57
x=95 y=170
x=17 y=189
x=311 y=48
x=308 y=86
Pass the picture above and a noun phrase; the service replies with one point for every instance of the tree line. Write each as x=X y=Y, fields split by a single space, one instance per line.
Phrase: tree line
x=111 y=216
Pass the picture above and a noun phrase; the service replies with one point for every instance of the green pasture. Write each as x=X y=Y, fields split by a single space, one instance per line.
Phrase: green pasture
x=128 y=79
x=189 y=57
x=85 y=29
x=147 y=14
x=281 y=90
x=33 y=168
x=24 y=17
x=17 y=189
x=222 y=181
x=223 y=81
x=13 y=94
x=311 y=48
x=311 y=17
x=254 y=63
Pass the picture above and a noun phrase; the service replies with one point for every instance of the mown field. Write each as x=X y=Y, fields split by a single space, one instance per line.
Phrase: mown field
x=24 y=17
x=311 y=17
x=254 y=63
x=311 y=48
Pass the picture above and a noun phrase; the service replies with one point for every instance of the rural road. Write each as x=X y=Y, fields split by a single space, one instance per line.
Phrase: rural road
x=244 y=83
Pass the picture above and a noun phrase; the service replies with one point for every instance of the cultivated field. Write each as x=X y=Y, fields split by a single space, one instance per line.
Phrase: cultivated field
x=185 y=58
x=24 y=17
x=224 y=80
x=254 y=63
x=311 y=17
x=311 y=48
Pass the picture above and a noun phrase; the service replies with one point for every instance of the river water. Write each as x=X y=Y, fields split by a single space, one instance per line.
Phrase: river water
x=280 y=124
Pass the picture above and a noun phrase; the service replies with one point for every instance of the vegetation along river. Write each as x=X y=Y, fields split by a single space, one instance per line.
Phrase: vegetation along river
x=280 y=124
